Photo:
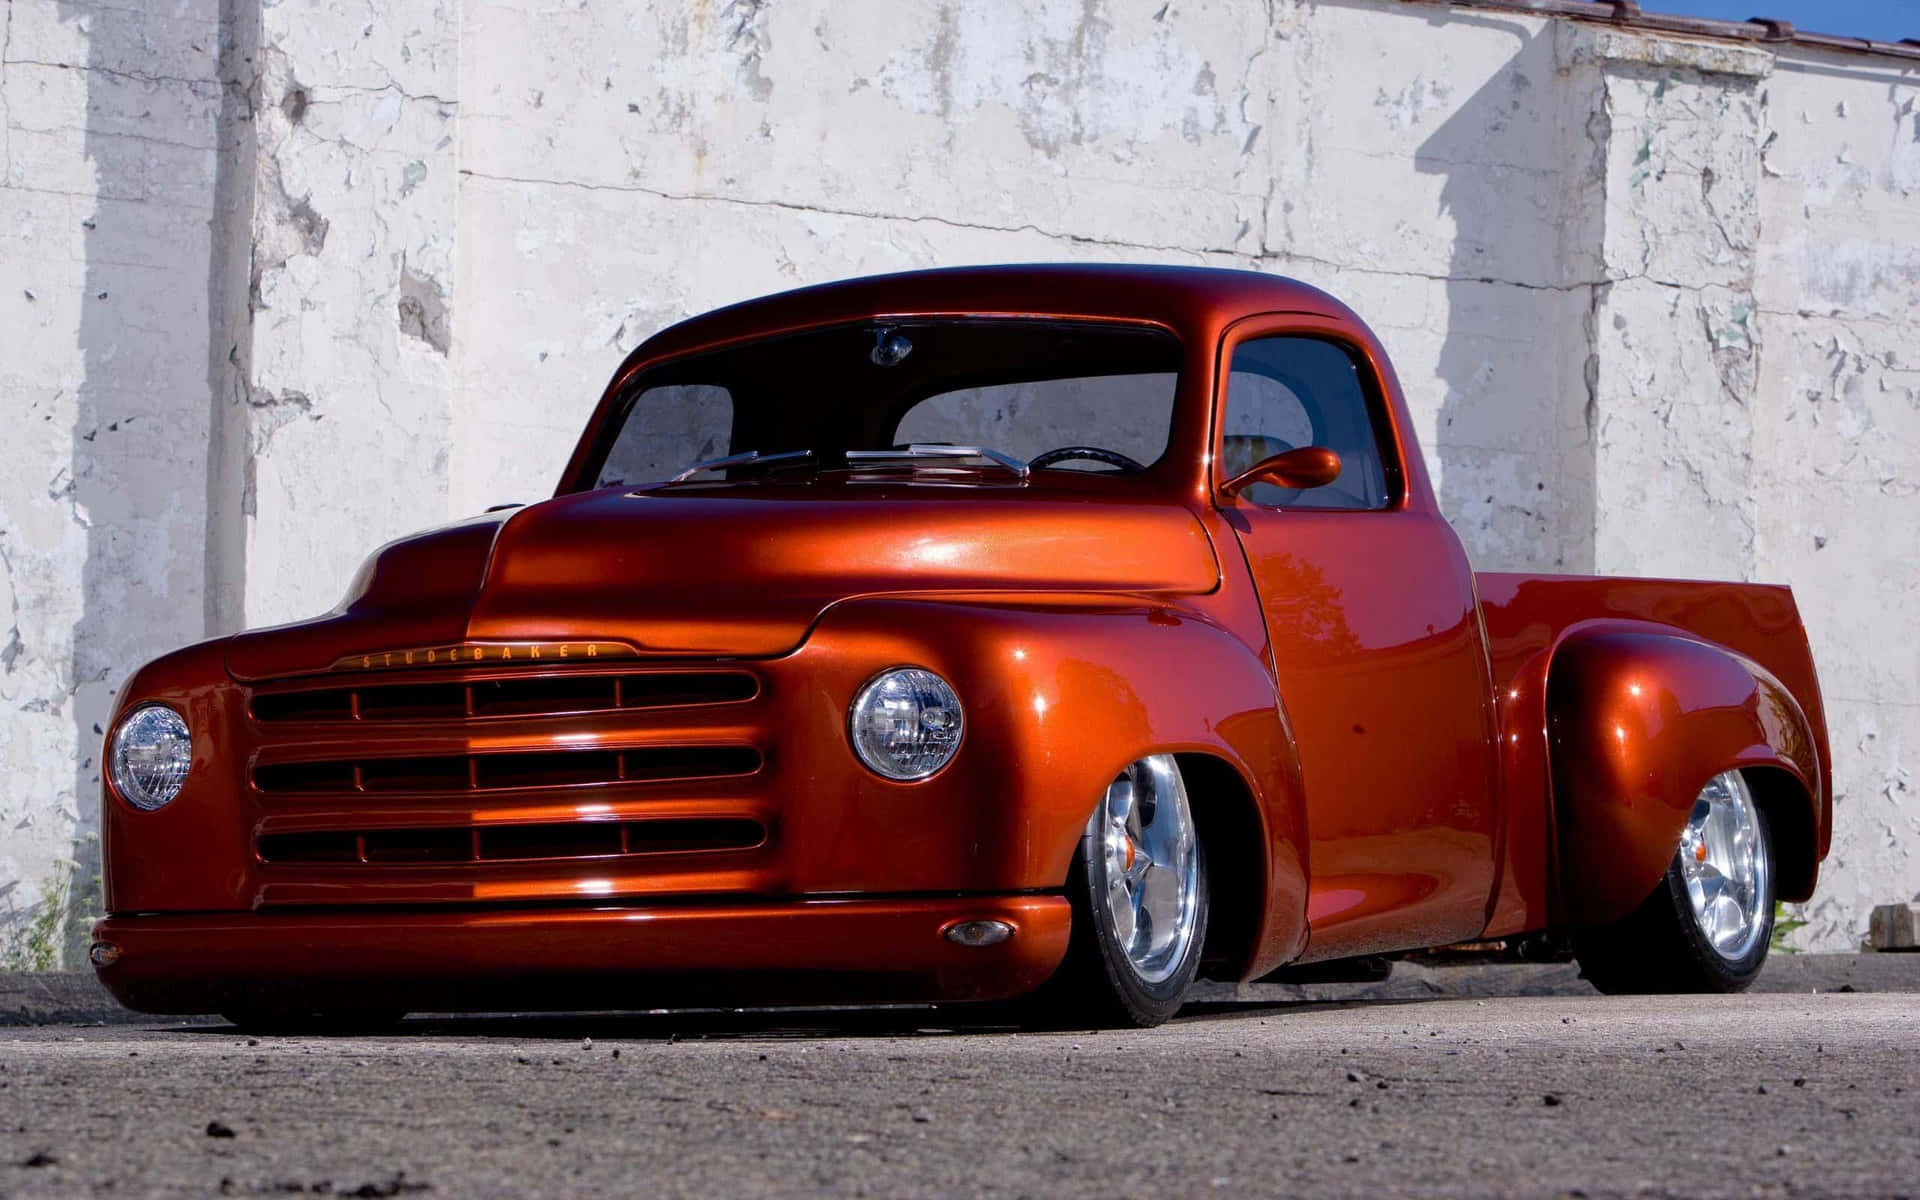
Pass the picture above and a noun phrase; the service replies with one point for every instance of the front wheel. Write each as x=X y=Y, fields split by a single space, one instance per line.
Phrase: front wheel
x=1708 y=925
x=1138 y=885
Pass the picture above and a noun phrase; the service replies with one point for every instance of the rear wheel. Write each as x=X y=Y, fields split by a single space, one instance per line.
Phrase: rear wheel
x=1138 y=885
x=1707 y=926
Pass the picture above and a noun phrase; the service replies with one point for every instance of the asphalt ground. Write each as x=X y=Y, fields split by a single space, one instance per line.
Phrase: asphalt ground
x=1791 y=1092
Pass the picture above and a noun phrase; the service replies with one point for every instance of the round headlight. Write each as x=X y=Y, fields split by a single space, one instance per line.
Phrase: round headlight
x=906 y=723
x=150 y=756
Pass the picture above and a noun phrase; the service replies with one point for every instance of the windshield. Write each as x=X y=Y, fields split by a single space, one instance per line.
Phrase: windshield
x=1017 y=388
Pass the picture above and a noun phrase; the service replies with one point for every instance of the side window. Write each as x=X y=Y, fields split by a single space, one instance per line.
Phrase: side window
x=668 y=429
x=1288 y=392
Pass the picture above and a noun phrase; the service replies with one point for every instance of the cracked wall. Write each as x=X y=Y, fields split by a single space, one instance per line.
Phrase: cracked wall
x=109 y=116
x=1836 y=441
x=1674 y=333
x=368 y=267
x=349 y=379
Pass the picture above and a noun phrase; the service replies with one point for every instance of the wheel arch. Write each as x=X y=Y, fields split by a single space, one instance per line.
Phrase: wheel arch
x=1063 y=691
x=1639 y=719
x=1789 y=809
x=1228 y=821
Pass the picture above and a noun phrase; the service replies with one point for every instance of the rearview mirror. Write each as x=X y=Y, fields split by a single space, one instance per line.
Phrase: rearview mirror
x=1302 y=467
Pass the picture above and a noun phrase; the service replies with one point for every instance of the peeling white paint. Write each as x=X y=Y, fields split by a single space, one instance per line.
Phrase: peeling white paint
x=1652 y=299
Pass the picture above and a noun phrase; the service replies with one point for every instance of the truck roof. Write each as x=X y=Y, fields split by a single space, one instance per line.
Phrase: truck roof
x=1187 y=299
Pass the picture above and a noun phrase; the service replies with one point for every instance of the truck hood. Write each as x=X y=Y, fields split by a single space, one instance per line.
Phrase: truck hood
x=733 y=570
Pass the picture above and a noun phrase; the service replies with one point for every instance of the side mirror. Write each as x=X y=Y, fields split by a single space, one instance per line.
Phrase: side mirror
x=1303 y=467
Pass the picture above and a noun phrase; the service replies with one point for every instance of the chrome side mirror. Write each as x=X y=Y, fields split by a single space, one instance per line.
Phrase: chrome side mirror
x=1301 y=467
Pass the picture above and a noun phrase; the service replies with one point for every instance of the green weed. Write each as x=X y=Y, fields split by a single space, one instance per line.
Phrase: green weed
x=1784 y=923
x=36 y=947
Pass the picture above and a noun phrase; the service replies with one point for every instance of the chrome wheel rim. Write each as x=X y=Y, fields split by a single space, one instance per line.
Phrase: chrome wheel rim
x=1723 y=862
x=1152 y=861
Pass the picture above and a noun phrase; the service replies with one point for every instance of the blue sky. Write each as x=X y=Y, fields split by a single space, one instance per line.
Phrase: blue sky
x=1887 y=20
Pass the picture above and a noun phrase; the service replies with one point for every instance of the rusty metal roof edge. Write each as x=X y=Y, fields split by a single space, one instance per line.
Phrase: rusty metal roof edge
x=1629 y=14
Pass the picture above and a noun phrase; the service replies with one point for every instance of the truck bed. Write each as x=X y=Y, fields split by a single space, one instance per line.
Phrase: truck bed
x=1527 y=616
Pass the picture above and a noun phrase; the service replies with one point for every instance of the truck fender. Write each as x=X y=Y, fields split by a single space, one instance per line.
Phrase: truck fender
x=1067 y=690
x=1639 y=719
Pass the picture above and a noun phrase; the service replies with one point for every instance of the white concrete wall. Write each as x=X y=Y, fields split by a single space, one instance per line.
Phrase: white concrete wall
x=1836 y=442
x=348 y=426
x=371 y=268
x=109 y=136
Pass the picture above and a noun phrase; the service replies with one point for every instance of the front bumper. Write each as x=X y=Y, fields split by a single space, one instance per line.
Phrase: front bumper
x=753 y=953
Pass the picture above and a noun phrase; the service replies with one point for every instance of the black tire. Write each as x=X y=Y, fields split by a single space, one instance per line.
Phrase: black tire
x=1097 y=986
x=294 y=1021
x=1658 y=948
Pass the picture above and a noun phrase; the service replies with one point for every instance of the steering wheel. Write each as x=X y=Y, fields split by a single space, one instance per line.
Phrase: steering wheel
x=1112 y=458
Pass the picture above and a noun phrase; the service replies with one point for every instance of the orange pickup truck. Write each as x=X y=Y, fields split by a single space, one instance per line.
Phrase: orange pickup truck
x=1059 y=633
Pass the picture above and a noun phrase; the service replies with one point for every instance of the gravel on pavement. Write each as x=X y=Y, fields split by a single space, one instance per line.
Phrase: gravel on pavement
x=1787 y=1093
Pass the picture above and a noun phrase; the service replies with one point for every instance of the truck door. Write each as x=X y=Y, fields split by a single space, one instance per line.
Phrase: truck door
x=1377 y=650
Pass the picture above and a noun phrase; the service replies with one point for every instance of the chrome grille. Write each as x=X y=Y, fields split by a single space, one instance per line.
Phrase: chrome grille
x=495 y=772
x=448 y=784
x=458 y=700
x=512 y=843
